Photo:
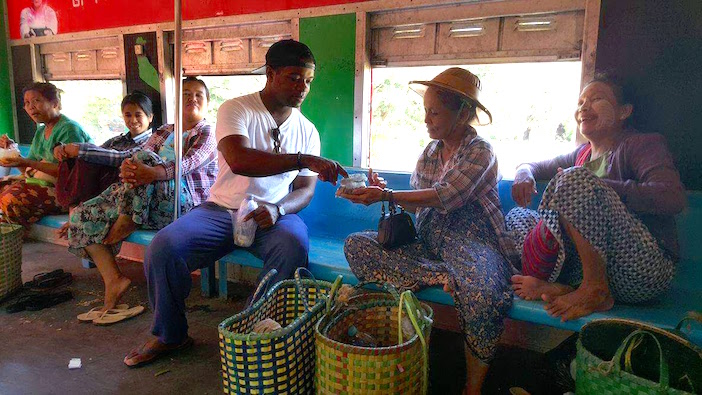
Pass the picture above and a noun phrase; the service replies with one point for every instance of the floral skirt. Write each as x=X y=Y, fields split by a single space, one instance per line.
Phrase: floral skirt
x=637 y=268
x=25 y=204
x=150 y=207
x=459 y=249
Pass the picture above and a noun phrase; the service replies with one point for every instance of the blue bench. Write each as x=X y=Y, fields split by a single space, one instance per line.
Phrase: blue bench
x=330 y=220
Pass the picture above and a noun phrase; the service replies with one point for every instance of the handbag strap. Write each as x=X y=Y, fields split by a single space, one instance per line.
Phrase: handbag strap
x=629 y=344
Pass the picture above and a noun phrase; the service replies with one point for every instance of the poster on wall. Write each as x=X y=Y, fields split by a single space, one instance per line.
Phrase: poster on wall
x=39 y=19
x=34 y=18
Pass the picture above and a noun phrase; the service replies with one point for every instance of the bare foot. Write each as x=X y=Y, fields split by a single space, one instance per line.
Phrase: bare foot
x=532 y=288
x=62 y=232
x=123 y=227
x=152 y=350
x=579 y=303
x=114 y=291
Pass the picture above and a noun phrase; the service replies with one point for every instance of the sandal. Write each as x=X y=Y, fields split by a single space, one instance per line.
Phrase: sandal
x=19 y=304
x=50 y=280
x=97 y=312
x=109 y=317
x=42 y=301
x=142 y=356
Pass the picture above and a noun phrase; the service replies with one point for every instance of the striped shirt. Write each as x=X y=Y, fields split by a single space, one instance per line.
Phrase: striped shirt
x=470 y=175
x=92 y=153
x=198 y=165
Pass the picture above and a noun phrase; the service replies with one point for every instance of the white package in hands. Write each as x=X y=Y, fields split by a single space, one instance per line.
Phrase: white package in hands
x=245 y=231
x=11 y=152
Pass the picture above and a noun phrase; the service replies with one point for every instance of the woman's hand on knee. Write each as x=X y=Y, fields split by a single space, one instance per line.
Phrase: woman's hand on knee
x=523 y=188
x=136 y=173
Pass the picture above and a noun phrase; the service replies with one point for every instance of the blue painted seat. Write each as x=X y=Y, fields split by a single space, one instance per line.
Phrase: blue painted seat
x=330 y=220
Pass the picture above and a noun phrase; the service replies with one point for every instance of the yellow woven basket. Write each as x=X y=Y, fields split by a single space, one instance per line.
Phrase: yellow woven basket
x=10 y=259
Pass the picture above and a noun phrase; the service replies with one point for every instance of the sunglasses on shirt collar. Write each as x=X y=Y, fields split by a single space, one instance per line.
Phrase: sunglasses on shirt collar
x=275 y=133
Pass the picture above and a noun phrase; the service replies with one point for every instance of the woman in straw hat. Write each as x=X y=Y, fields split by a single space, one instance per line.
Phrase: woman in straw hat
x=462 y=242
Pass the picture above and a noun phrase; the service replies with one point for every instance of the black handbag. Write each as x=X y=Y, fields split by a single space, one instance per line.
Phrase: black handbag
x=395 y=228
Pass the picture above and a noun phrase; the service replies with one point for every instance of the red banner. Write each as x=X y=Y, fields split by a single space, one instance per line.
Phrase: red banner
x=45 y=17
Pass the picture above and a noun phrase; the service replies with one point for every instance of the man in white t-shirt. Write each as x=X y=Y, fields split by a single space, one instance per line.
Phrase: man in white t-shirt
x=267 y=149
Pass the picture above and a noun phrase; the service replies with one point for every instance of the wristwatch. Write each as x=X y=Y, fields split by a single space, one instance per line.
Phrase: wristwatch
x=281 y=210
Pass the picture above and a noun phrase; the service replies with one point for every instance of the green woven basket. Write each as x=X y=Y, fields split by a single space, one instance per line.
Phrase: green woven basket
x=398 y=366
x=10 y=259
x=279 y=362
x=617 y=356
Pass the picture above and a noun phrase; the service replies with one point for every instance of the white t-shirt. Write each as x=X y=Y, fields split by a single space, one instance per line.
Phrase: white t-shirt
x=247 y=116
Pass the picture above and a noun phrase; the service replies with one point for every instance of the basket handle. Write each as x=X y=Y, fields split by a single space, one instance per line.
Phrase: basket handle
x=690 y=316
x=409 y=302
x=627 y=347
x=387 y=287
x=332 y=292
x=262 y=287
x=298 y=285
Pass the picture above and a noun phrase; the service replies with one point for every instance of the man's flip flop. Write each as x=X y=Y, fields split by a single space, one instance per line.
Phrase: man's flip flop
x=110 y=317
x=47 y=281
x=141 y=356
x=42 y=301
x=96 y=313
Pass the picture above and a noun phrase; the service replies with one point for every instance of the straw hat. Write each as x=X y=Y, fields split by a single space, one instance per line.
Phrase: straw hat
x=461 y=82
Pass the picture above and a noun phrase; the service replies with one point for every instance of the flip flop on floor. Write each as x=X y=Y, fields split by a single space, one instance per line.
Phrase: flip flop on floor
x=48 y=281
x=142 y=356
x=43 y=301
x=110 y=317
x=19 y=304
x=97 y=312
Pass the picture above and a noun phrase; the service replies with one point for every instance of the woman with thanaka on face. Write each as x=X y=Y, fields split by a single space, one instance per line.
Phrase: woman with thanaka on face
x=101 y=163
x=462 y=241
x=25 y=200
x=605 y=231
x=145 y=196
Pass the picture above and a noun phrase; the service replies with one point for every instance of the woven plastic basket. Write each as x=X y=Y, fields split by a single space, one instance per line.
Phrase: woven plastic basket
x=617 y=356
x=280 y=362
x=396 y=366
x=10 y=259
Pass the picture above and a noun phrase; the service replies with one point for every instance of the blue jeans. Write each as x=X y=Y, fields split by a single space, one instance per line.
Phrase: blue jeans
x=199 y=238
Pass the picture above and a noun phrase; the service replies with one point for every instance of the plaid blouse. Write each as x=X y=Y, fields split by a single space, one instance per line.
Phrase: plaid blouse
x=470 y=175
x=199 y=163
x=92 y=153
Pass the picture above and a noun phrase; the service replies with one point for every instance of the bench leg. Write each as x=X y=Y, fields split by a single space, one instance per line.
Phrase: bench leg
x=208 y=282
x=87 y=263
x=222 y=280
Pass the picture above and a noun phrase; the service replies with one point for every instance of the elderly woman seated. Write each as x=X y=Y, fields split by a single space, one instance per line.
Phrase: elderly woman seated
x=25 y=200
x=462 y=243
x=605 y=231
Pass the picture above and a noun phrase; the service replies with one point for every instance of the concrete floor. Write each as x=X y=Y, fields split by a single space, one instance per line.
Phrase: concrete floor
x=37 y=346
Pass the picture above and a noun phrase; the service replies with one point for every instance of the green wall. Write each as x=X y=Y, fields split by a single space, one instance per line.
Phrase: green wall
x=6 y=123
x=329 y=105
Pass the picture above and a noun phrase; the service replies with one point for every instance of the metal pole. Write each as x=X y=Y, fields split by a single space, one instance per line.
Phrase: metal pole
x=178 y=125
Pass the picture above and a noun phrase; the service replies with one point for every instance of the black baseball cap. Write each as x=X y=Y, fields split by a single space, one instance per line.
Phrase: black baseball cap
x=288 y=53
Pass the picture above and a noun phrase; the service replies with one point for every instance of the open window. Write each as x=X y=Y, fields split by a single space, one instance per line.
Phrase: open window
x=224 y=58
x=529 y=66
x=89 y=72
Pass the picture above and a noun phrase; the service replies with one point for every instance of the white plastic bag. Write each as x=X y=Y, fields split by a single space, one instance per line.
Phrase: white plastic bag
x=12 y=152
x=245 y=231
